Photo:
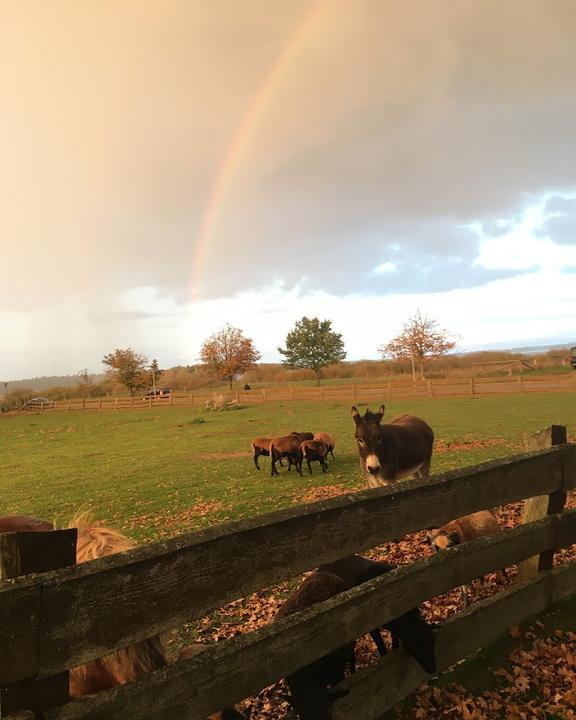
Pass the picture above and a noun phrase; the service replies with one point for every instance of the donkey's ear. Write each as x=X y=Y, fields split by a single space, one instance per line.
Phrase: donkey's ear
x=356 y=415
x=380 y=413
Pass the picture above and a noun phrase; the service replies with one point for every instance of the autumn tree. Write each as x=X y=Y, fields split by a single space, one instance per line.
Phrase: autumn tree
x=312 y=344
x=421 y=339
x=228 y=353
x=127 y=367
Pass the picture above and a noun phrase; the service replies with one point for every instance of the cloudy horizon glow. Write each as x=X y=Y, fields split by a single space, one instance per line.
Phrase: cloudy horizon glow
x=170 y=168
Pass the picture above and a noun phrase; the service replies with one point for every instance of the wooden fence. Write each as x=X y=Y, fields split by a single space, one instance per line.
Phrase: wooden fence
x=395 y=389
x=61 y=618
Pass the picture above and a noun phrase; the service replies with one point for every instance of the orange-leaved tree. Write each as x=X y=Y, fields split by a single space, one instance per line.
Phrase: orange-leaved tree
x=228 y=353
x=420 y=339
x=127 y=367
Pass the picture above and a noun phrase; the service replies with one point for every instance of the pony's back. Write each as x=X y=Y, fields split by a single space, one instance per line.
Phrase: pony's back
x=95 y=541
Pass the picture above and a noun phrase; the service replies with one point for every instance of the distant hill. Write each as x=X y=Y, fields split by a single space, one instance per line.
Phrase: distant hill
x=46 y=382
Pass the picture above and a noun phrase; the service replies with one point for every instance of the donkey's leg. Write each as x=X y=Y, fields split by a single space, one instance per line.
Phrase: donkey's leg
x=309 y=466
x=256 y=456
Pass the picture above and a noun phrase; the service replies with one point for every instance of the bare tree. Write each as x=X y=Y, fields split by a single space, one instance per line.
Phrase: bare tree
x=421 y=339
x=228 y=353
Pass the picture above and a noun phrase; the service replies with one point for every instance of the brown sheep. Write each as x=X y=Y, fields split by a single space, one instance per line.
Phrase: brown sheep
x=285 y=446
x=313 y=450
x=303 y=435
x=310 y=693
x=461 y=530
x=261 y=446
x=328 y=440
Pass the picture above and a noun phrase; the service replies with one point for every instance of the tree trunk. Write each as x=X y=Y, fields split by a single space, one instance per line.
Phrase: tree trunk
x=317 y=377
x=230 y=382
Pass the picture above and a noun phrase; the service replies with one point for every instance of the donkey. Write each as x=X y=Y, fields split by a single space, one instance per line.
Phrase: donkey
x=393 y=450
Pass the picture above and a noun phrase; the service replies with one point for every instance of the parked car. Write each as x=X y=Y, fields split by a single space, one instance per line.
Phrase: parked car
x=158 y=393
x=38 y=403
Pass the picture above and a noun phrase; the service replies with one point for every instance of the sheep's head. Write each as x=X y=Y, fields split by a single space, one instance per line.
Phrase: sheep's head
x=442 y=540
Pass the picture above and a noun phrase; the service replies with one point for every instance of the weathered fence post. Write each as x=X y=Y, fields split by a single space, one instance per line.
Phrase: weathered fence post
x=537 y=508
x=22 y=554
x=471 y=386
x=430 y=391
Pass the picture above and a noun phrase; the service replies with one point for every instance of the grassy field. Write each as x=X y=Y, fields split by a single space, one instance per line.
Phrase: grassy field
x=154 y=473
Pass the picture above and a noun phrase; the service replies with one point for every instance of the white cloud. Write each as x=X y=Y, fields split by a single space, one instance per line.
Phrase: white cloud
x=385 y=267
x=522 y=248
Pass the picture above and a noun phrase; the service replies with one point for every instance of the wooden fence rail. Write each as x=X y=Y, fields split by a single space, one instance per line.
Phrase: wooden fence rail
x=396 y=389
x=69 y=616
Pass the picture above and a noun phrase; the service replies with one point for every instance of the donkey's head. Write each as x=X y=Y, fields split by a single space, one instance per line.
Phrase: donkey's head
x=372 y=444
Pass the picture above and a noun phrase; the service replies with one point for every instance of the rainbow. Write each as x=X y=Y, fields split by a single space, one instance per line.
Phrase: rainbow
x=241 y=138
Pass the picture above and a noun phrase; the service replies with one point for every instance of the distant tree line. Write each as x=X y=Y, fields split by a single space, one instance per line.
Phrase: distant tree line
x=312 y=350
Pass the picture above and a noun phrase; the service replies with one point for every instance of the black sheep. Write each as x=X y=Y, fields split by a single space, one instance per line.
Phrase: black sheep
x=416 y=635
x=310 y=693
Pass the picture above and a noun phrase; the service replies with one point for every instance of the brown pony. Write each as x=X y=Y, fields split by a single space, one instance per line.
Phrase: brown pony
x=123 y=665
x=23 y=523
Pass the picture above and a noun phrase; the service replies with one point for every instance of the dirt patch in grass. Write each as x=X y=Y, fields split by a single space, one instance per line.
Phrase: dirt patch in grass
x=321 y=493
x=165 y=522
x=445 y=446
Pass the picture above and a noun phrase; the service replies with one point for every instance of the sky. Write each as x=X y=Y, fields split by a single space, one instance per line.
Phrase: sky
x=168 y=167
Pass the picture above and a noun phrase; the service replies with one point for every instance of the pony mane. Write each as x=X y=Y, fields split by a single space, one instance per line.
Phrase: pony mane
x=96 y=541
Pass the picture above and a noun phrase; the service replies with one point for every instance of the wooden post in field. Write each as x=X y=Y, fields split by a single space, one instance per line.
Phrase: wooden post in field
x=519 y=380
x=264 y=394
x=354 y=391
x=132 y=400
x=389 y=389
x=237 y=395
x=171 y=401
x=100 y=404
x=471 y=386
x=150 y=402
x=538 y=507
x=22 y=554
x=430 y=391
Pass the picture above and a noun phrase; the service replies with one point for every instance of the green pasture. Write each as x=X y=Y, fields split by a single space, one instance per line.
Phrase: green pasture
x=157 y=472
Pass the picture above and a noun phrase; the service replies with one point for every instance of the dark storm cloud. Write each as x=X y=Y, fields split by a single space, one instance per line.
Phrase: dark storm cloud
x=390 y=124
